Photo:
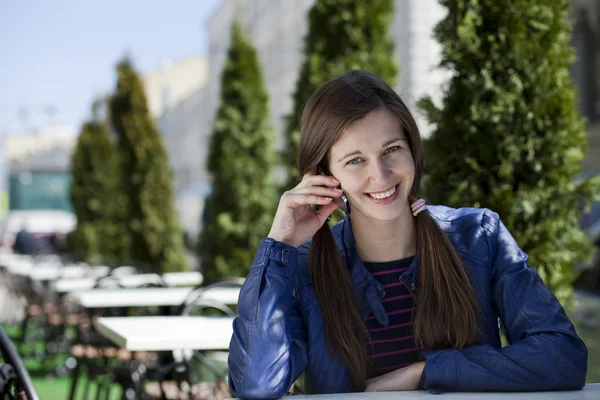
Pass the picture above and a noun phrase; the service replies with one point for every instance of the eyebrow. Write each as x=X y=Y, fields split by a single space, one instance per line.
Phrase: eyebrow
x=355 y=152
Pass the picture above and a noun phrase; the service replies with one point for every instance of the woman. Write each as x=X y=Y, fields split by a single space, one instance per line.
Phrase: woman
x=399 y=295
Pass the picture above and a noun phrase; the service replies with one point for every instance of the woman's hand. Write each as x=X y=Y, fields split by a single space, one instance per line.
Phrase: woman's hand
x=295 y=221
x=406 y=378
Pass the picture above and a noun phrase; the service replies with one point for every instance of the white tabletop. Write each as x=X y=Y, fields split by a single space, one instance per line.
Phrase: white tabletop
x=191 y=278
x=589 y=392
x=52 y=273
x=130 y=281
x=16 y=266
x=167 y=333
x=25 y=267
x=147 y=297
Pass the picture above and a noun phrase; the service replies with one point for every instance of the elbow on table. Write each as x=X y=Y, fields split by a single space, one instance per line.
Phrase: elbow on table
x=251 y=390
x=578 y=373
x=573 y=379
x=572 y=371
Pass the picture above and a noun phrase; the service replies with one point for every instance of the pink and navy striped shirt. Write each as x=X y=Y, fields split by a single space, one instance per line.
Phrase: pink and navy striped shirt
x=393 y=346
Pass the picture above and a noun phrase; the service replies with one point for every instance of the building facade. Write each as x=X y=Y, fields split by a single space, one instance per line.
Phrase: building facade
x=173 y=82
x=176 y=95
x=277 y=30
x=185 y=129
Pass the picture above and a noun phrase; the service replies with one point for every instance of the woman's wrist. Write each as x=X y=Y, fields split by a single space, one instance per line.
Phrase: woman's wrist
x=278 y=238
x=406 y=378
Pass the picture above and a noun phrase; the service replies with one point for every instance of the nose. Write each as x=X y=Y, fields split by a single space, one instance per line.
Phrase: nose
x=380 y=172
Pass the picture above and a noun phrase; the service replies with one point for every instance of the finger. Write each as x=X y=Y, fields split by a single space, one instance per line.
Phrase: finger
x=325 y=211
x=300 y=199
x=319 y=191
x=318 y=180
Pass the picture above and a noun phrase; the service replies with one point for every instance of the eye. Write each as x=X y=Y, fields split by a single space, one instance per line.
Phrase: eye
x=354 y=161
x=392 y=149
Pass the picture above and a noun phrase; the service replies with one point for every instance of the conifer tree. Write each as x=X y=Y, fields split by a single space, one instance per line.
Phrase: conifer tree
x=156 y=239
x=507 y=134
x=93 y=191
x=241 y=158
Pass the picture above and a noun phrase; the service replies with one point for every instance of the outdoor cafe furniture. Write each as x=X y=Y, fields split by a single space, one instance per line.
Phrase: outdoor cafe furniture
x=167 y=333
x=186 y=299
x=171 y=333
x=15 y=381
x=147 y=297
x=170 y=279
x=185 y=338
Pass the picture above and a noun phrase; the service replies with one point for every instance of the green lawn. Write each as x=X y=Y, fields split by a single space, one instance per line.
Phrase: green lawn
x=58 y=389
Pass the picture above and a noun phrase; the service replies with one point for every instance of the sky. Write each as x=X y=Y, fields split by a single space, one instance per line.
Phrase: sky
x=61 y=54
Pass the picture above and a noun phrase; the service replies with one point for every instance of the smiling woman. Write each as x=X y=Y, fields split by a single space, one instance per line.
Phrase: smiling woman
x=400 y=295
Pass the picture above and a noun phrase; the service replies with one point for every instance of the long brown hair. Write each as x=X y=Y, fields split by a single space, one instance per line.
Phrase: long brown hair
x=447 y=308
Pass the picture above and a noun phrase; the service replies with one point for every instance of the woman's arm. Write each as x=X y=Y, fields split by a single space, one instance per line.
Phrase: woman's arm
x=545 y=354
x=268 y=350
x=406 y=378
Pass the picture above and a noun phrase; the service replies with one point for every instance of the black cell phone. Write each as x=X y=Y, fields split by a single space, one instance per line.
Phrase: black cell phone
x=342 y=202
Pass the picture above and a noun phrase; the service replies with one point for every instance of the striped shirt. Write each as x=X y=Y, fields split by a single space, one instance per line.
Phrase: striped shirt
x=393 y=346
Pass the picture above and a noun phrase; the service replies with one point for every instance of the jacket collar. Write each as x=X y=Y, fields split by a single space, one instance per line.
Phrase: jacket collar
x=369 y=290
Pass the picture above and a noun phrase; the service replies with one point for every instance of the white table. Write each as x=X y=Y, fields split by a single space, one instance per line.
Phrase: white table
x=167 y=333
x=130 y=281
x=52 y=273
x=15 y=266
x=590 y=392
x=191 y=278
x=25 y=267
x=148 y=297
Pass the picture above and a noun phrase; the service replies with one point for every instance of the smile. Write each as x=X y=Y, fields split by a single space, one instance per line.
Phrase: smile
x=383 y=195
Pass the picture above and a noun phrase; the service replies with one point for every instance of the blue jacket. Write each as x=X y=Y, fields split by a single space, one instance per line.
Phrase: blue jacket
x=279 y=332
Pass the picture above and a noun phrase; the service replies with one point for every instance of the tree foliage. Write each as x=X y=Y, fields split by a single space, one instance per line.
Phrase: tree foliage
x=507 y=134
x=93 y=190
x=241 y=159
x=155 y=236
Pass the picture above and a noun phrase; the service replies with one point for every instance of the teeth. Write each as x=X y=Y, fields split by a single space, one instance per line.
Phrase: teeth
x=384 y=194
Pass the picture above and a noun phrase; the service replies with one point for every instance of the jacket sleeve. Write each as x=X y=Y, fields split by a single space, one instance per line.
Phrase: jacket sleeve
x=545 y=352
x=268 y=350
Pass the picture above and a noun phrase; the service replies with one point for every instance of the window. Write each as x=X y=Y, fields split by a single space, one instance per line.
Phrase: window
x=40 y=191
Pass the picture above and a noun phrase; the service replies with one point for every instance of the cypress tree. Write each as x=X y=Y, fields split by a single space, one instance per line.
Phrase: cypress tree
x=343 y=35
x=93 y=191
x=155 y=236
x=507 y=134
x=240 y=159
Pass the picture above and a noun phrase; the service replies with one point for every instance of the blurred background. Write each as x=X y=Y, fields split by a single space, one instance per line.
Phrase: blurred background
x=118 y=139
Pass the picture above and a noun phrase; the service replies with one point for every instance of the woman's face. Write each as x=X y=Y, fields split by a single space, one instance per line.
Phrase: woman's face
x=373 y=162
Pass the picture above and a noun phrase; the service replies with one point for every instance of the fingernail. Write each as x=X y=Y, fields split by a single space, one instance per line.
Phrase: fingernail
x=335 y=181
x=328 y=198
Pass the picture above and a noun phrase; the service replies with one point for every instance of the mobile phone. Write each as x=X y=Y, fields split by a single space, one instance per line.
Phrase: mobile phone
x=342 y=202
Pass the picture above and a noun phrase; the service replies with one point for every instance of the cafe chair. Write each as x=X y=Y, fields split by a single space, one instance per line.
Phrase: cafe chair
x=181 y=386
x=102 y=364
x=15 y=382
